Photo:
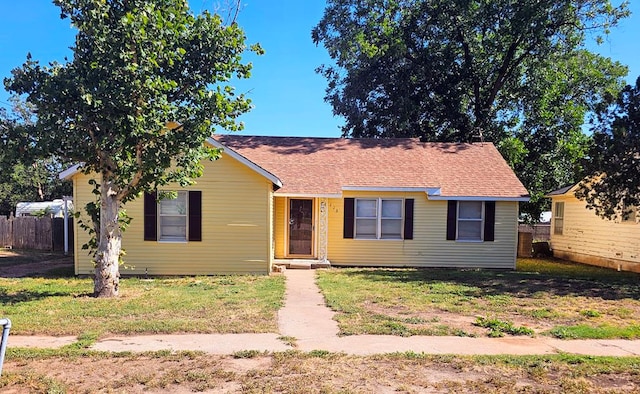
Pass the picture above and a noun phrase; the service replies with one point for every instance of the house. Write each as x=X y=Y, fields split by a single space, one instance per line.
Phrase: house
x=353 y=202
x=578 y=234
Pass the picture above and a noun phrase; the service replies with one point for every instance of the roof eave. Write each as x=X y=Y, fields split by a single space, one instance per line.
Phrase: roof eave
x=480 y=198
x=428 y=190
x=563 y=191
x=309 y=195
x=73 y=170
x=253 y=166
x=70 y=172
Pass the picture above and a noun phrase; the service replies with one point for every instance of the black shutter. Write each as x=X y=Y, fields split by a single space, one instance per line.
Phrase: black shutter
x=349 y=217
x=452 y=207
x=408 y=218
x=489 y=220
x=195 y=216
x=150 y=217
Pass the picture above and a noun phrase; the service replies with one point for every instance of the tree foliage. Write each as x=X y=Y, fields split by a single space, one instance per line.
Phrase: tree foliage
x=612 y=187
x=25 y=175
x=514 y=73
x=556 y=103
x=145 y=88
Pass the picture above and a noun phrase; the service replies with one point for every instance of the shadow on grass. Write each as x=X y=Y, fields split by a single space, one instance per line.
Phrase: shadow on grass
x=480 y=282
x=10 y=257
x=28 y=295
x=58 y=272
x=35 y=264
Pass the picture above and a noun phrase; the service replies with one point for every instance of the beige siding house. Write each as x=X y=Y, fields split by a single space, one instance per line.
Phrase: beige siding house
x=395 y=202
x=578 y=234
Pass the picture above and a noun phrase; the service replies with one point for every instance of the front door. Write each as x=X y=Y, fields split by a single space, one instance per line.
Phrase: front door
x=300 y=227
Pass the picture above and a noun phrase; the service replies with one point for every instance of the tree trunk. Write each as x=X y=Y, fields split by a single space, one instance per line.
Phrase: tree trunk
x=107 y=275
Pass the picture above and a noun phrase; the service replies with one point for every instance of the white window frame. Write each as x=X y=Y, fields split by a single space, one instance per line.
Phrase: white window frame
x=558 y=220
x=379 y=219
x=175 y=239
x=467 y=220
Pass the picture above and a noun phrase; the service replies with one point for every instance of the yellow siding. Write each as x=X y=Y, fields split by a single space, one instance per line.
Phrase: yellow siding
x=279 y=226
x=590 y=239
x=429 y=248
x=237 y=235
x=81 y=196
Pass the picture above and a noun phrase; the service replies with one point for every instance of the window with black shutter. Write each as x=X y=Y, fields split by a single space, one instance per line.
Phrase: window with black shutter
x=378 y=218
x=471 y=220
x=177 y=219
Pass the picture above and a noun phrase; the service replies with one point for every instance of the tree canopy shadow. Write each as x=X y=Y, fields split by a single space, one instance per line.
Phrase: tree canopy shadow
x=516 y=284
x=310 y=145
x=21 y=296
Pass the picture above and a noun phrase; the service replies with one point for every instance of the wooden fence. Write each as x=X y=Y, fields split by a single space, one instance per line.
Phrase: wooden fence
x=34 y=233
x=539 y=231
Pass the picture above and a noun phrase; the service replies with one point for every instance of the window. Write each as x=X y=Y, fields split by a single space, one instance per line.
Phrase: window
x=558 y=221
x=391 y=219
x=470 y=221
x=366 y=218
x=378 y=218
x=173 y=219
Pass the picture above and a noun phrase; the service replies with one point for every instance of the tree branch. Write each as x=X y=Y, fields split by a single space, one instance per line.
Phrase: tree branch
x=135 y=180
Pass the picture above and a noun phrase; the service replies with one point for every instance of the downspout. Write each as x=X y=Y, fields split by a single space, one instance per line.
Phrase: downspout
x=6 y=324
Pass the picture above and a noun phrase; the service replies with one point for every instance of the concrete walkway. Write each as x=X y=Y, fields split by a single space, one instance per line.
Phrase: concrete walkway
x=306 y=321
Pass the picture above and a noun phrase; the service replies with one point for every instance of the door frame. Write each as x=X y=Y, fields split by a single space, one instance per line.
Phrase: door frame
x=314 y=220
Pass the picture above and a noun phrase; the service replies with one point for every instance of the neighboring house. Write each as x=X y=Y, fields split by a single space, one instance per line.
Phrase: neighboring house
x=578 y=234
x=353 y=202
x=53 y=208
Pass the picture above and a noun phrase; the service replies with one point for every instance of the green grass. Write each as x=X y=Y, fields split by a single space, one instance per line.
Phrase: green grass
x=596 y=332
x=62 y=306
x=541 y=293
x=247 y=354
x=498 y=328
x=562 y=268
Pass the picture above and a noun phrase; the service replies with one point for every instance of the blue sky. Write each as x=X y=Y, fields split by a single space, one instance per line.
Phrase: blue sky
x=287 y=94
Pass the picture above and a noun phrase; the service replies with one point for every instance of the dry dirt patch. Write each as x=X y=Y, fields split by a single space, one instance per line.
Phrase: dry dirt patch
x=298 y=373
x=18 y=264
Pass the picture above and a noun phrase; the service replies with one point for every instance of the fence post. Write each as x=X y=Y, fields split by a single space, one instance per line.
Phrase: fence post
x=12 y=220
x=5 y=232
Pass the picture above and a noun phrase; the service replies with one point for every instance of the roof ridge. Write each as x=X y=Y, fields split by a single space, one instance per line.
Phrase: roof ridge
x=417 y=139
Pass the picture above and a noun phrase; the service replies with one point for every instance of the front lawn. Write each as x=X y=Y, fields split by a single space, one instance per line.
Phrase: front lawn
x=542 y=297
x=223 y=304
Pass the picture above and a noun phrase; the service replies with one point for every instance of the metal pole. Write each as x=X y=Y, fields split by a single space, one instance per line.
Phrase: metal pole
x=66 y=225
x=6 y=325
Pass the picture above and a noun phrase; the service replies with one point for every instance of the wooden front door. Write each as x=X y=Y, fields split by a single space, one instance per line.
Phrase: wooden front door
x=300 y=227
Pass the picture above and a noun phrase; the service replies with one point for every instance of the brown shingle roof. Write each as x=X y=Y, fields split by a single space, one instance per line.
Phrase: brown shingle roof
x=560 y=191
x=316 y=166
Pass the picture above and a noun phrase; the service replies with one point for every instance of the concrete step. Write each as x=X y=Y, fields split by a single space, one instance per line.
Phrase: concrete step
x=302 y=264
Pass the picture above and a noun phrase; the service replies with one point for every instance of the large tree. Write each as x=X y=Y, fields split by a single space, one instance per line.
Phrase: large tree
x=146 y=86
x=612 y=186
x=512 y=72
x=556 y=101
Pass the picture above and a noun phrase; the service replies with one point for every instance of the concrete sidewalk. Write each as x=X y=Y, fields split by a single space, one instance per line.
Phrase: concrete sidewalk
x=306 y=318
